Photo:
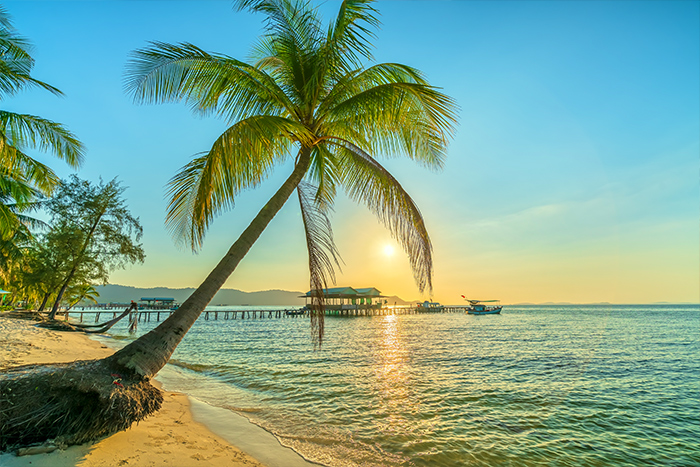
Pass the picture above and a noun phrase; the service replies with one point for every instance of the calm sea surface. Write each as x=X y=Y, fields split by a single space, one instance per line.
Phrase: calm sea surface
x=554 y=385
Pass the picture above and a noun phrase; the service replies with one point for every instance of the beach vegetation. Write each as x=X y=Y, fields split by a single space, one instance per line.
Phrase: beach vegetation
x=90 y=233
x=86 y=293
x=23 y=179
x=307 y=97
x=95 y=232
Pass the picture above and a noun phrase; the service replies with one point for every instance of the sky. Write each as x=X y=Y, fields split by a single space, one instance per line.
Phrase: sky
x=573 y=175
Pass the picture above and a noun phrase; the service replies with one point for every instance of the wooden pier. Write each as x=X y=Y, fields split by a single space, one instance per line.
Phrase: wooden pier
x=156 y=315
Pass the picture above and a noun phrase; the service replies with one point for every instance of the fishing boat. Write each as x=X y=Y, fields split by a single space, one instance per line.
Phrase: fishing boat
x=478 y=307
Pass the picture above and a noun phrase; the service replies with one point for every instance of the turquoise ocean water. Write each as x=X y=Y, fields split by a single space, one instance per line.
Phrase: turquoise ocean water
x=534 y=386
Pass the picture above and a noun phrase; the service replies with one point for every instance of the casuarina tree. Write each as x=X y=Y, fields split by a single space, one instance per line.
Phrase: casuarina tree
x=308 y=96
x=102 y=231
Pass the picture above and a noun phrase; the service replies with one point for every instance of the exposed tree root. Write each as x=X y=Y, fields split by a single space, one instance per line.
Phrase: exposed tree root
x=71 y=403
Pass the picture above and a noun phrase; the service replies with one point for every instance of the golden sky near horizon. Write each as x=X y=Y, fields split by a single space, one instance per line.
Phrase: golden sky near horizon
x=572 y=177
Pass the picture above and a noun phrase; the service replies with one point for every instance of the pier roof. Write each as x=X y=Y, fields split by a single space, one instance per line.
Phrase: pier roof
x=348 y=292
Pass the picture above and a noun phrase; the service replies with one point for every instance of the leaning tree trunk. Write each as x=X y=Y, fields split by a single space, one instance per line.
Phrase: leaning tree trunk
x=76 y=262
x=43 y=302
x=81 y=401
x=149 y=353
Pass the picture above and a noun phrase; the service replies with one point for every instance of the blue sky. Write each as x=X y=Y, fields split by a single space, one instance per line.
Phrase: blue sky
x=573 y=175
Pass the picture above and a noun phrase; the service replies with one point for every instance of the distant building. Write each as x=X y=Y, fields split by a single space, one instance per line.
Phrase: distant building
x=156 y=303
x=348 y=298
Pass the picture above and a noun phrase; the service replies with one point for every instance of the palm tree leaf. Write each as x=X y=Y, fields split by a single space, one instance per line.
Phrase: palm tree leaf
x=15 y=61
x=396 y=119
x=208 y=82
x=293 y=22
x=16 y=165
x=324 y=172
x=293 y=51
x=356 y=81
x=323 y=254
x=22 y=130
x=240 y=158
x=348 y=37
x=366 y=181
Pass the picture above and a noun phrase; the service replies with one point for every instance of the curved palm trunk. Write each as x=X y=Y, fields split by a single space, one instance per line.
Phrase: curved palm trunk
x=150 y=352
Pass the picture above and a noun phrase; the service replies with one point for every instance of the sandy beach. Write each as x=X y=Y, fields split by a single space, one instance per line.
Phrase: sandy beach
x=169 y=438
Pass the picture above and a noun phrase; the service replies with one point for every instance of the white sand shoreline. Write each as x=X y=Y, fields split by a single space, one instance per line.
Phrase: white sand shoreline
x=246 y=436
x=174 y=436
x=230 y=425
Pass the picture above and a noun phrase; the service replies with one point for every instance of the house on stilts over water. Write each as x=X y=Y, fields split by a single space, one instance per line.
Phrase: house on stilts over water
x=348 y=301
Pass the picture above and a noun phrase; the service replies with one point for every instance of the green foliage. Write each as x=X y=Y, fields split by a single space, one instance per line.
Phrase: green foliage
x=23 y=179
x=81 y=293
x=92 y=232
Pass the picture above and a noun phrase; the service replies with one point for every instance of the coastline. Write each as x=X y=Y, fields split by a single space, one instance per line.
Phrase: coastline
x=172 y=436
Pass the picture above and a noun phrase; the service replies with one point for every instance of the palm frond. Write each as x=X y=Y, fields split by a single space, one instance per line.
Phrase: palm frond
x=16 y=62
x=17 y=166
x=366 y=181
x=8 y=221
x=240 y=158
x=207 y=82
x=292 y=50
x=294 y=22
x=323 y=254
x=22 y=130
x=397 y=119
x=15 y=189
x=324 y=172
x=349 y=37
x=13 y=80
x=355 y=81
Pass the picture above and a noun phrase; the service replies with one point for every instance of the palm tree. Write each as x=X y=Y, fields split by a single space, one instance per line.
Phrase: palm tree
x=306 y=96
x=81 y=292
x=22 y=178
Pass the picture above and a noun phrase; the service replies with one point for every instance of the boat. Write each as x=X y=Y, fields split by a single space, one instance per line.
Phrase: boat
x=478 y=307
x=429 y=307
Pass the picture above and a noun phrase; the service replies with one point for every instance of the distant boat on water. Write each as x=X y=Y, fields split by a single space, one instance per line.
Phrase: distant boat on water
x=478 y=307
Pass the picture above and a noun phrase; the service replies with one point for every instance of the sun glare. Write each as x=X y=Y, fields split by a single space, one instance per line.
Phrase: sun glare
x=388 y=250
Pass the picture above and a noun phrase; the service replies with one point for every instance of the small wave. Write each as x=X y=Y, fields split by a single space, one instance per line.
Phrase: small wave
x=196 y=367
x=242 y=409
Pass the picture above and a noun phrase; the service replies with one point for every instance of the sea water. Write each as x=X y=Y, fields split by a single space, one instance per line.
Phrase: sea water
x=536 y=385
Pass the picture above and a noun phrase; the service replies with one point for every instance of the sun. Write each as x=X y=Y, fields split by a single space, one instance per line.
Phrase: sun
x=388 y=250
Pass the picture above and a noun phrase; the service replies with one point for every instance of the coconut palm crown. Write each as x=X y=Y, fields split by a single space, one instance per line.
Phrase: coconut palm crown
x=23 y=179
x=304 y=95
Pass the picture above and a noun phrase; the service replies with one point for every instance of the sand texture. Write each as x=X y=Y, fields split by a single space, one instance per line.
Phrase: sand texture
x=169 y=438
